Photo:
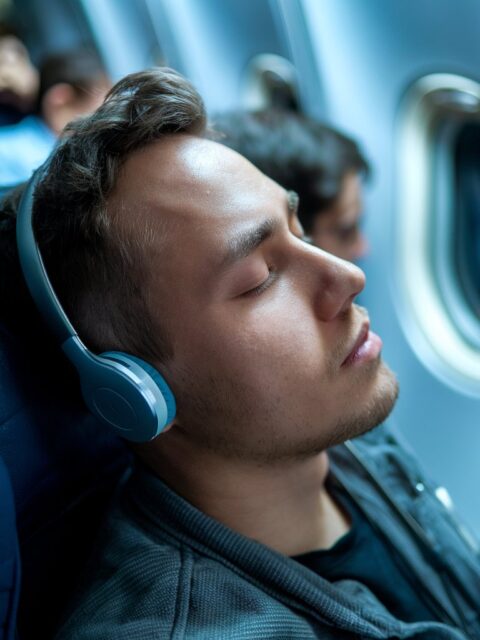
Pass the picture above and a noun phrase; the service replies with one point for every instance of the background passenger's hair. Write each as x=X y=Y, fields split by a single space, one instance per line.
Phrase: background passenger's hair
x=97 y=267
x=80 y=68
x=298 y=152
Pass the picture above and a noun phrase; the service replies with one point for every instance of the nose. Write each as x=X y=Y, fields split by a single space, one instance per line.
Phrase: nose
x=335 y=283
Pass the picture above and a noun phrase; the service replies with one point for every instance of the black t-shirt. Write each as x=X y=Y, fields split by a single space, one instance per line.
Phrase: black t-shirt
x=363 y=555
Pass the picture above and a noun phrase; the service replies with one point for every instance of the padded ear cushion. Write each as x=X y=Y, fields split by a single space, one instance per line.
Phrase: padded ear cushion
x=157 y=378
x=125 y=393
x=146 y=384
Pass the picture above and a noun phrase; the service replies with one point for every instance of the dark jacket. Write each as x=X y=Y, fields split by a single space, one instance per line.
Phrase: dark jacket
x=167 y=571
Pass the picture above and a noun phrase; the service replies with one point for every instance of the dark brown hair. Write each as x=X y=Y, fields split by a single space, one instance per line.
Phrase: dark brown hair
x=299 y=153
x=96 y=266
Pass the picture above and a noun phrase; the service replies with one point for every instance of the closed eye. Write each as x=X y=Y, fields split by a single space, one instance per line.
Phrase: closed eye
x=256 y=291
x=272 y=274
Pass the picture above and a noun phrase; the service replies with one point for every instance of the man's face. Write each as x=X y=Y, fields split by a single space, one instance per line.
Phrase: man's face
x=272 y=361
x=337 y=229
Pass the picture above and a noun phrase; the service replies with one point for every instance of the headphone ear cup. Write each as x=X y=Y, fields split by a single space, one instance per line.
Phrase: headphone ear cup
x=128 y=394
x=124 y=392
x=155 y=377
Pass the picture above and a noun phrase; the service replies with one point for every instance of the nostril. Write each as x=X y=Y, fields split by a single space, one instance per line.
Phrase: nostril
x=348 y=302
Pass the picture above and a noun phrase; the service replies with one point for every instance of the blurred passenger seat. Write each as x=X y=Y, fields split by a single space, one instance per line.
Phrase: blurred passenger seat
x=63 y=468
x=9 y=558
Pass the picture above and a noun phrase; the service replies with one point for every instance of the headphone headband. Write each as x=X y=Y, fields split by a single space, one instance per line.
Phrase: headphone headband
x=123 y=391
x=33 y=267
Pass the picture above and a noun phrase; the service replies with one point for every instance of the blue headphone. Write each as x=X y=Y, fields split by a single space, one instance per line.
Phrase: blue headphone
x=122 y=391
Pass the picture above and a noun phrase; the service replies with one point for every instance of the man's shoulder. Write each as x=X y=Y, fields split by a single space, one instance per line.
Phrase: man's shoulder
x=30 y=129
x=130 y=578
x=145 y=583
x=23 y=147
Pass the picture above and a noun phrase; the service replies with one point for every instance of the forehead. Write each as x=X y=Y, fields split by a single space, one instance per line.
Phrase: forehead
x=194 y=191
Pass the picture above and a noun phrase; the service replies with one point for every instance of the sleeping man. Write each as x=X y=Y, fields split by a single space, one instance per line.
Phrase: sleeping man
x=253 y=514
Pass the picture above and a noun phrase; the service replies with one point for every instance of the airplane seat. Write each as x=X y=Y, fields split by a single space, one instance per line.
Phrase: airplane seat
x=9 y=558
x=63 y=467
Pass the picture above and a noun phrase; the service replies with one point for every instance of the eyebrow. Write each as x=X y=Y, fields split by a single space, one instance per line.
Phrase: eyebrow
x=245 y=243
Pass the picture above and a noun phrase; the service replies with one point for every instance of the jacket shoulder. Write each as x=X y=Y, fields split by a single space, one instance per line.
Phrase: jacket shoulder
x=133 y=588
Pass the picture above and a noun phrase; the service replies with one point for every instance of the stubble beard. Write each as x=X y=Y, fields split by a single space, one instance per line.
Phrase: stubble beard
x=356 y=424
x=264 y=451
x=371 y=416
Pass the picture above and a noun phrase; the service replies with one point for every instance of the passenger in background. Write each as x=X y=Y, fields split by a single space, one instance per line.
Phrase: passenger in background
x=323 y=166
x=19 y=79
x=72 y=83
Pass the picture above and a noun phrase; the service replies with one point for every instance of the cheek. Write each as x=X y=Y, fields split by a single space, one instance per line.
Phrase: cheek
x=276 y=345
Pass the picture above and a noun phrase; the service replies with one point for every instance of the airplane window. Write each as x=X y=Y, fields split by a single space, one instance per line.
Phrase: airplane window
x=438 y=225
x=467 y=207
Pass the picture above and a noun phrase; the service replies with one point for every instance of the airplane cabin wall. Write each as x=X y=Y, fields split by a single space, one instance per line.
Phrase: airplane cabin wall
x=368 y=53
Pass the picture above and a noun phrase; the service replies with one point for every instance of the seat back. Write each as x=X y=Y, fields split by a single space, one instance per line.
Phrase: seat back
x=63 y=466
x=9 y=558
x=63 y=469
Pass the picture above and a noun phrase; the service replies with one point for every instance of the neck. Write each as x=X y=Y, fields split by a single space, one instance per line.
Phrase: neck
x=283 y=506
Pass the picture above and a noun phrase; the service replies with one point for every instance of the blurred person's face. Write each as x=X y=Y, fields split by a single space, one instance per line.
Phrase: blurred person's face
x=271 y=358
x=89 y=99
x=19 y=79
x=338 y=228
x=62 y=102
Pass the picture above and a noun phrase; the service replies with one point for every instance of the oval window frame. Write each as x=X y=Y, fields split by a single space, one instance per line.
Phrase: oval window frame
x=435 y=316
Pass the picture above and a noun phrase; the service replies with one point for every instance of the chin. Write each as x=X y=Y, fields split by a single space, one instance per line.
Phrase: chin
x=375 y=411
x=378 y=400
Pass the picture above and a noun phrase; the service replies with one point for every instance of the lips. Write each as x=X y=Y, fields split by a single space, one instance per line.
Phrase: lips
x=362 y=338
